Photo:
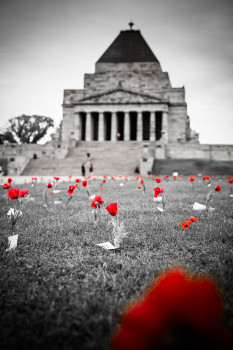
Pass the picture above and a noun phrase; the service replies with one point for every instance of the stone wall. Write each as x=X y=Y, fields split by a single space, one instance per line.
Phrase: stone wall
x=199 y=151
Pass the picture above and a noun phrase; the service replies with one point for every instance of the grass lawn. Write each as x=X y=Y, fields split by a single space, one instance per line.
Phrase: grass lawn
x=61 y=291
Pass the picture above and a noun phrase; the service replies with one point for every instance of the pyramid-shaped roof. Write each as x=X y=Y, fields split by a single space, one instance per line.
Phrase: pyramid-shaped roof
x=129 y=46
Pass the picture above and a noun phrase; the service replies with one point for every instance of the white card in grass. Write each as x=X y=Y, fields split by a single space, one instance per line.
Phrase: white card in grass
x=121 y=184
x=175 y=173
x=158 y=199
x=106 y=245
x=92 y=196
x=57 y=202
x=209 y=185
x=56 y=191
x=160 y=209
x=12 y=242
x=231 y=195
x=198 y=206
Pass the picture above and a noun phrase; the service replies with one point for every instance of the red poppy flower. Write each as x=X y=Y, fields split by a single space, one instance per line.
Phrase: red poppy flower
x=34 y=178
x=166 y=176
x=193 y=219
x=139 y=187
x=138 y=176
x=141 y=181
x=192 y=178
x=178 y=310
x=13 y=193
x=77 y=180
x=104 y=181
x=112 y=209
x=71 y=189
x=206 y=178
x=113 y=178
x=9 y=180
x=158 y=180
x=84 y=183
x=185 y=224
x=230 y=181
x=217 y=188
x=49 y=185
x=23 y=193
x=157 y=191
x=56 y=178
x=6 y=186
x=114 y=187
x=99 y=200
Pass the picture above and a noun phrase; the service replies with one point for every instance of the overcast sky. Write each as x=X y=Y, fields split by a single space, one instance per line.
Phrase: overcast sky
x=47 y=46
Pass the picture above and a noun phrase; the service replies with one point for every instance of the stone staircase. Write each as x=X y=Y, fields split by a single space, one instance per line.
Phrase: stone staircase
x=108 y=158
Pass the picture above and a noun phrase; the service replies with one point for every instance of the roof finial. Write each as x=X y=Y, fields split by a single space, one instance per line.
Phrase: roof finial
x=131 y=24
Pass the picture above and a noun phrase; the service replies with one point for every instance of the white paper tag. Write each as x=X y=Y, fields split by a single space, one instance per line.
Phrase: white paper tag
x=106 y=245
x=57 y=202
x=92 y=197
x=13 y=211
x=121 y=184
x=158 y=199
x=175 y=173
x=12 y=241
x=231 y=195
x=55 y=191
x=209 y=185
x=198 y=206
x=160 y=209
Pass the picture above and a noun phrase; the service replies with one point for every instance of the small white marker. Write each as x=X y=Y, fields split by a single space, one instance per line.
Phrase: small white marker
x=160 y=209
x=12 y=242
x=106 y=245
x=198 y=206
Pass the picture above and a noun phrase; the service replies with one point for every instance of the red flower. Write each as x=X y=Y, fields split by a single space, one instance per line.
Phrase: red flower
x=49 y=185
x=23 y=193
x=84 y=183
x=185 y=224
x=104 y=181
x=34 y=178
x=206 y=178
x=98 y=200
x=13 y=193
x=71 y=189
x=161 y=189
x=77 y=180
x=9 y=180
x=158 y=180
x=157 y=191
x=56 y=178
x=139 y=187
x=217 y=188
x=178 y=310
x=138 y=176
x=6 y=186
x=193 y=219
x=112 y=209
x=230 y=181
x=166 y=176
x=192 y=178
x=141 y=182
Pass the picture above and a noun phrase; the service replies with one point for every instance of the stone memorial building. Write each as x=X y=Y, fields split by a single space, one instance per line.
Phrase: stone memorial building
x=127 y=116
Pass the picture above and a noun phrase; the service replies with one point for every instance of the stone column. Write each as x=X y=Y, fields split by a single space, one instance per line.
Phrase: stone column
x=88 y=127
x=126 y=127
x=165 y=127
x=77 y=128
x=101 y=127
x=114 y=127
x=152 y=126
x=139 y=126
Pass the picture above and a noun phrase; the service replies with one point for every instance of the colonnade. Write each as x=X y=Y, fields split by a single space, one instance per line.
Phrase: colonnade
x=122 y=126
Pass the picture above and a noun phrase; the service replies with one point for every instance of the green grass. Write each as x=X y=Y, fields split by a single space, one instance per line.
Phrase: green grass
x=61 y=291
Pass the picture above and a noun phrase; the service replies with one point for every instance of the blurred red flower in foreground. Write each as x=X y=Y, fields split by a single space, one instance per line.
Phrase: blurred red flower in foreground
x=6 y=186
x=13 y=193
x=206 y=178
x=141 y=182
x=139 y=187
x=97 y=200
x=191 y=178
x=23 y=193
x=217 y=188
x=230 y=181
x=71 y=189
x=9 y=180
x=77 y=180
x=185 y=224
x=56 y=178
x=178 y=312
x=104 y=181
x=158 y=180
x=49 y=185
x=112 y=209
x=193 y=219
x=84 y=183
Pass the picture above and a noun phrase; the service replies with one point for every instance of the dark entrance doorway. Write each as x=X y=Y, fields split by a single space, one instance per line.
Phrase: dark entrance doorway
x=133 y=125
x=107 y=126
x=146 y=125
x=120 y=126
x=83 y=125
x=158 y=125
x=94 y=126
